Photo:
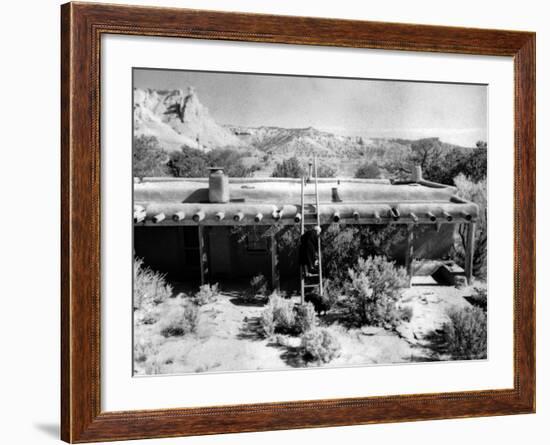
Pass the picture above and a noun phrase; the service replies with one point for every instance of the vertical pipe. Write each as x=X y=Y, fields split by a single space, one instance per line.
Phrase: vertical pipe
x=409 y=254
x=469 y=253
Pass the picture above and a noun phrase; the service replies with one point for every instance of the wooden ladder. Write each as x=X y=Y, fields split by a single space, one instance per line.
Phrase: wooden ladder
x=306 y=212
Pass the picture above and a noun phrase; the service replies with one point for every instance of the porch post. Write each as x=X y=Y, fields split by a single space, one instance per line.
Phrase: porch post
x=274 y=262
x=409 y=253
x=203 y=258
x=469 y=251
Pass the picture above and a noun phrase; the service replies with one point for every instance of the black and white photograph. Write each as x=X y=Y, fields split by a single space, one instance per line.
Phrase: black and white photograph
x=285 y=222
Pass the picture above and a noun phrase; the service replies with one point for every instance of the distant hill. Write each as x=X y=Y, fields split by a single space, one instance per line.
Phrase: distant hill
x=177 y=118
x=299 y=141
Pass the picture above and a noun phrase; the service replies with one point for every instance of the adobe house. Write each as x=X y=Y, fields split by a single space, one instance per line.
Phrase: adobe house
x=183 y=226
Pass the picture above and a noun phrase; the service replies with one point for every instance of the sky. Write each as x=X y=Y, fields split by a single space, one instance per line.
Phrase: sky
x=456 y=113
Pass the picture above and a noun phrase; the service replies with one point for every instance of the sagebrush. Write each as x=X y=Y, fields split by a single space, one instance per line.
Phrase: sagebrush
x=465 y=334
x=150 y=289
x=320 y=345
x=372 y=292
x=183 y=319
x=207 y=294
x=283 y=316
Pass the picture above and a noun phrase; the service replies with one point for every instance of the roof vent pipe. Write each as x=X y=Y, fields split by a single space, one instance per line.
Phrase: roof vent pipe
x=218 y=185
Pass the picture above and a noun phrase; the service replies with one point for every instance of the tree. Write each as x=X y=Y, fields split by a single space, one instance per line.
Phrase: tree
x=476 y=165
x=148 y=158
x=288 y=168
x=231 y=161
x=475 y=192
x=426 y=152
x=368 y=170
x=188 y=163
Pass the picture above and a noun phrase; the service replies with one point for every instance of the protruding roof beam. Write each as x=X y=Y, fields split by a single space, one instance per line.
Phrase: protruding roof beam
x=258 y=217
x=238 y=216
x=159 y=217
x=139 y=217
x=178 y=216
x=394 y=213
x=220 y=216
x=198 y=216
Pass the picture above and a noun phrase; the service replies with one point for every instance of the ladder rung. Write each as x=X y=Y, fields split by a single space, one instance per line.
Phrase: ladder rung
x=311 y=285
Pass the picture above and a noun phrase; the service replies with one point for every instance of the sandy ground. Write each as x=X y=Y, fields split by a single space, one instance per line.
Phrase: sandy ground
x=228 y=337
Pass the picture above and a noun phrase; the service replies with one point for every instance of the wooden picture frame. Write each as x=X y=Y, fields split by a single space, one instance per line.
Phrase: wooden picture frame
x=82 y=26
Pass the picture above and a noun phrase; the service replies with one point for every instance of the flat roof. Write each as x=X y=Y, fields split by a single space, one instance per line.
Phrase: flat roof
x=270 y=200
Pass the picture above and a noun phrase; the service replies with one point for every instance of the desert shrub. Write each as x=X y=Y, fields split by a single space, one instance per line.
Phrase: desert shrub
x=320 y=345
x=188 y=163
x=325 y=171
x=283 y=313
x=258 y=285
x=441 y=162
x=282 y=316
x=368 y=170
x=288 y=168
x=267 y=321
x=305 y=318
x=207 y=294
x=479 y=298
x=148 y=158
x=183 y=320
x=150 y=289
x=144 y=349
x=231 y=161
x=372 y=291
x=465 y=334
x=477 y=193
